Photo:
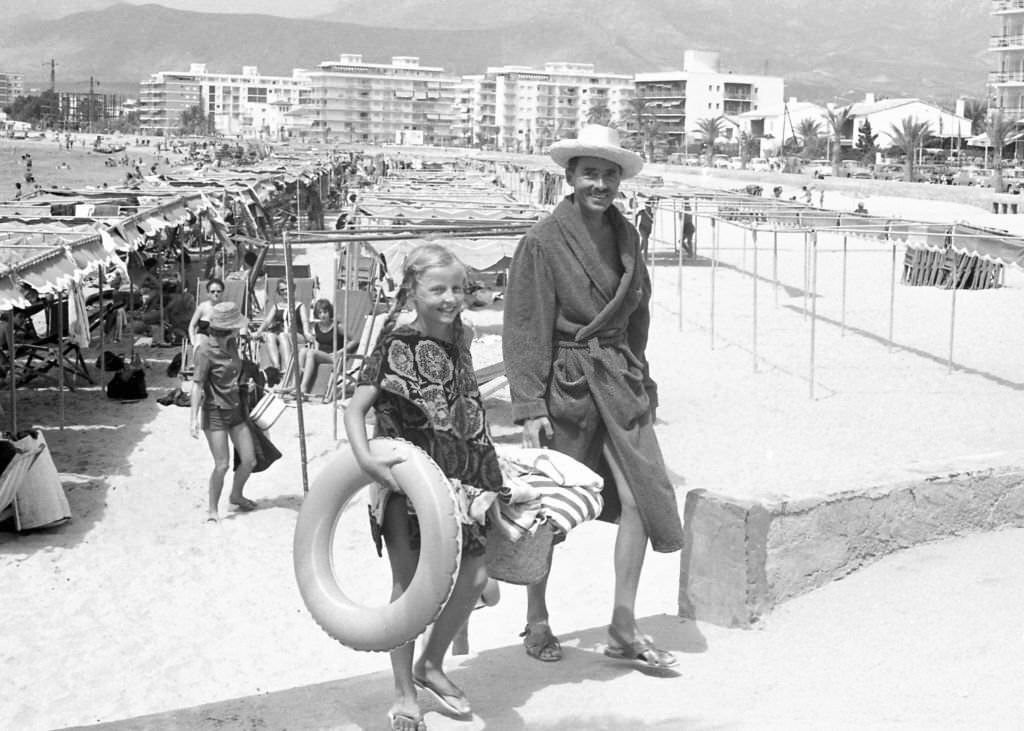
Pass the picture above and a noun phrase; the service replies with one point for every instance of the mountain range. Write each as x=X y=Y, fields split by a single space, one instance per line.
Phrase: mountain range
x=826 y=51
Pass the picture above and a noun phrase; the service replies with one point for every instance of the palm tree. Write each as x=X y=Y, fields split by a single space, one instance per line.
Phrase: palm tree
x=908 y=136
x=710 y=129
x=599 y=113
x=837 y=120
x=999 y=130
x=809 y=131
x=646 y=128
x=976 y=111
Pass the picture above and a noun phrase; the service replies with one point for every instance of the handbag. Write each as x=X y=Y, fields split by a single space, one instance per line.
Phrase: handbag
x=525 y=560
x=265 y=451
x=129 y=383
x=267 y=410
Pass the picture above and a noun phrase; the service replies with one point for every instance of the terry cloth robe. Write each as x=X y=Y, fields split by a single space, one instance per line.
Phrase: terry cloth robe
x=573 y=341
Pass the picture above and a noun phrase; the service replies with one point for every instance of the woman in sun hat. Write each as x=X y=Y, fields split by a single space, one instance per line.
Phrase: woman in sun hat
x=575 y=332
x=217 y=406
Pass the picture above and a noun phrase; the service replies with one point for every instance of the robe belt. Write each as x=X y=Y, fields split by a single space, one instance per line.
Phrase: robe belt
x=593 y=344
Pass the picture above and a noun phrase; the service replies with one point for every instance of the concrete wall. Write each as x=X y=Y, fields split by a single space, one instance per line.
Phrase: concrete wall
x=740 y=559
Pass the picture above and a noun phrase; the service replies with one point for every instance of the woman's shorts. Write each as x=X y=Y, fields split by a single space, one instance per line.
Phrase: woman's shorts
x=218 y=419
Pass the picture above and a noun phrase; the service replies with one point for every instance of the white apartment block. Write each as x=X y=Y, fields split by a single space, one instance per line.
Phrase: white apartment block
x=246 y=105
x=526 y=109
x=401 y=102
x=11 y=87
x=1006 y=83
x=679 y=99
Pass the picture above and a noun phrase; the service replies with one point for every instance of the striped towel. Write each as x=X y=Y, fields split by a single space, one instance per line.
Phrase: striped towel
x=570 y=492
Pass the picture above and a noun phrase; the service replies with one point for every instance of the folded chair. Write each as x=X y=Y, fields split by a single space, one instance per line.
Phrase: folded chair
x=52 y=348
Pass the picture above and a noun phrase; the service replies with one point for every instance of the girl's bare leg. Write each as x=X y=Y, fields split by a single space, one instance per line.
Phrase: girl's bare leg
x=241 y=438
x=218 y=442
x=403 y=561
x=429 y=668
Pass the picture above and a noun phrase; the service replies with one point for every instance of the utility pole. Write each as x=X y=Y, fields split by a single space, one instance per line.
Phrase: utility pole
x=92 y=108
x=53 y=86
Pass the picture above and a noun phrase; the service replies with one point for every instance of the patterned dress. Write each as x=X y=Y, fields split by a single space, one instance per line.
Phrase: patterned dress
x=429 y=396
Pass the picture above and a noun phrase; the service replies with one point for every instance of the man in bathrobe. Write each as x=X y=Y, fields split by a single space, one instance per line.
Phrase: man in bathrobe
x=575 y=331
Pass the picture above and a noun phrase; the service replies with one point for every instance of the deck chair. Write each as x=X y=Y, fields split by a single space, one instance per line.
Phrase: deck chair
x=52 y=348
x=341 y=380
x=304 y=289
x=360 y=267
x=491 y=379
x=351 y=308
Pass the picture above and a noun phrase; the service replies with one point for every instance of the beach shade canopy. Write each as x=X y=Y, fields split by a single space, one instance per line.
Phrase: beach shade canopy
x=480 y=254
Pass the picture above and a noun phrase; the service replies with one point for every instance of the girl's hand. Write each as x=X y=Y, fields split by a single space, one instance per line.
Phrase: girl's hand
x=379 y=470
x=194 y=429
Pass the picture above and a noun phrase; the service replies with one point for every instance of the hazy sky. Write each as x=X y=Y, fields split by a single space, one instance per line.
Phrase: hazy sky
x=56 y=8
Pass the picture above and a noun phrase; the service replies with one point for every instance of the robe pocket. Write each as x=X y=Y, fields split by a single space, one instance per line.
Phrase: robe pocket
x=569 y=395
x=631 y=375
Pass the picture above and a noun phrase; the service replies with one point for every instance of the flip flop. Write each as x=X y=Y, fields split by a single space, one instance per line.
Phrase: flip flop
x=641 y=651
x=447 y=701
x=540 y=642
x=399 y=721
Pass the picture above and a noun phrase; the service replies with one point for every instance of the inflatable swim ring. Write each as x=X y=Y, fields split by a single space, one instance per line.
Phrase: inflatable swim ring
x=378 y=628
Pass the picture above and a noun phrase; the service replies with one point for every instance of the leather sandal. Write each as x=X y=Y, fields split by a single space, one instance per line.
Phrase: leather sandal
x=541 y=643
x=641 y=651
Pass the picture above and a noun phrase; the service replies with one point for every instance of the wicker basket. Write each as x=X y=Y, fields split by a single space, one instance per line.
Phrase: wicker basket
x=525 y=561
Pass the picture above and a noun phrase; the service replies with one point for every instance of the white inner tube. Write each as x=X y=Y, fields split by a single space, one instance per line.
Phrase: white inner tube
x=404 y=619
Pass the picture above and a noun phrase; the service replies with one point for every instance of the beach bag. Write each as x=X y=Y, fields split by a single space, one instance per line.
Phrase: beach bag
x=266 y=452
x=523 y=561
x=267 y=410
x=110 y=361
x=129 y=383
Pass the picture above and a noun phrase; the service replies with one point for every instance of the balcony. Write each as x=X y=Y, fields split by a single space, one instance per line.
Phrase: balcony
x=1013 y=112
x=1006 y=77
x=1006 y=43
x=1007 y=6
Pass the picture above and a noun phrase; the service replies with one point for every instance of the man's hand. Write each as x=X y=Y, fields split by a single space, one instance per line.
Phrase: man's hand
x=537 y=431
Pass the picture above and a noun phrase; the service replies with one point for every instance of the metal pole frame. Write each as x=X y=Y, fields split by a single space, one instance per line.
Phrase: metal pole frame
x=775 y=263
x=842 y=315
x=714 y=271
x=814 y=307
x=952 y=313
x=753 y=235
x=892 y=294
x=294 y=336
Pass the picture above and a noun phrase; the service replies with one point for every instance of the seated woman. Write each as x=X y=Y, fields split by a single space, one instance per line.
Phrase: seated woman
x=200 y=321
x=276 y=329
x=322 y=349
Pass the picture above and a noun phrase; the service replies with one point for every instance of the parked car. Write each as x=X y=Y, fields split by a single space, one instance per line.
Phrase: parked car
x=720 y=161
x=759 y=164
x=819 y=168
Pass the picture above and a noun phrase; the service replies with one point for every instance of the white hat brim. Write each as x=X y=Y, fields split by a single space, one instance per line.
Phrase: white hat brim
x=565 y=150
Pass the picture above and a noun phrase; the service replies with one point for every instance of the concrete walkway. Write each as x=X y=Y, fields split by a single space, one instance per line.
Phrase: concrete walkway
x=927 y=638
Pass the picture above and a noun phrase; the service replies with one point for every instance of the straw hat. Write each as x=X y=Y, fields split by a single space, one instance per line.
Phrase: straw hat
x=595 y=140
x=226 y=316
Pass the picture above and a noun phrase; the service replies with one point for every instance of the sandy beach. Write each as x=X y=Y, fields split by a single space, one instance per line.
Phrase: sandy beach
x=139 y=607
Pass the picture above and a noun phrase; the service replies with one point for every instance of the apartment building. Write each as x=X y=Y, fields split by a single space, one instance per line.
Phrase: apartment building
x=679 y=99
x=247 y=104
x=525 y=109
x=11 y=87
x=1006 y=83
x=402 y=102
x=164 y=96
